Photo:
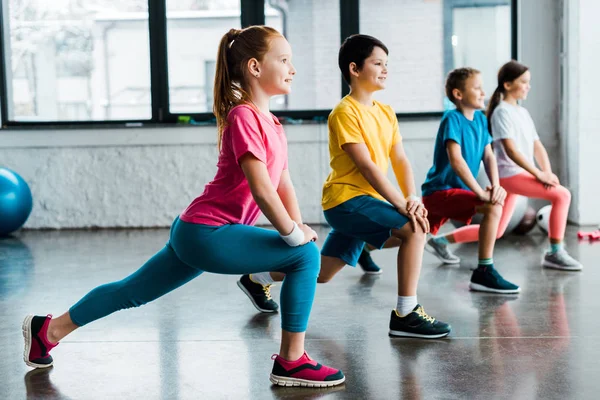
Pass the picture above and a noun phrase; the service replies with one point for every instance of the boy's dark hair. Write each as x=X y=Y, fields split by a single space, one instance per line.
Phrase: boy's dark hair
x=456 y=80
x=356 y=49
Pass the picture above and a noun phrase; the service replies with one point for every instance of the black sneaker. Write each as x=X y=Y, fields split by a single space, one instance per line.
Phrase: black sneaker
x=259 y=295
x=487 y=279
x=418 y=324
x=367 y=264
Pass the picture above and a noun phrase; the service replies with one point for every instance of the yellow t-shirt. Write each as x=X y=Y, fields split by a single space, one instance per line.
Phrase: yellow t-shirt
x=352 y=122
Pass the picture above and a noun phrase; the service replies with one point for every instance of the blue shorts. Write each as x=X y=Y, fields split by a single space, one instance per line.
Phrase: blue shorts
x=356 y=221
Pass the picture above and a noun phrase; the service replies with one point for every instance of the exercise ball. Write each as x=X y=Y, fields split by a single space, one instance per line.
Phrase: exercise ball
x=521 y=206
x=543 y=217
x=527 y=223
x=15 y=201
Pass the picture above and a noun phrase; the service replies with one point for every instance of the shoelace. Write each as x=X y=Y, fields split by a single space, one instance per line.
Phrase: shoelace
x=424 y=315
x=267 y=290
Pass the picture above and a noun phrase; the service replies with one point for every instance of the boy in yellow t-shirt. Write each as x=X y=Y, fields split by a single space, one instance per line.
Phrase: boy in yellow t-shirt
x=360 y=203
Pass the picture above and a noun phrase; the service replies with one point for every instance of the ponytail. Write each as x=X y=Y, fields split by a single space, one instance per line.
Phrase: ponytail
x=224 y=95
x=494 y=102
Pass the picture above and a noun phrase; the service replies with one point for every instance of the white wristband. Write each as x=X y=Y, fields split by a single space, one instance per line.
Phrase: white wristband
x=295 y=238
x=413 y=197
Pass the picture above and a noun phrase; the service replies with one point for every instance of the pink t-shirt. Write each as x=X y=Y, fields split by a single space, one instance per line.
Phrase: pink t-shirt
x=227 y=199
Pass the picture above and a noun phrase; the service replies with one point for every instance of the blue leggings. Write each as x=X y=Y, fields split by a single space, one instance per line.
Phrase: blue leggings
x=228 y=249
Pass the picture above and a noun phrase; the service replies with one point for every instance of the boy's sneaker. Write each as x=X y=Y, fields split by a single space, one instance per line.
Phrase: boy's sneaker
x=441 y=251
x=37 y=346
x=487 y=279
x=259 y=295
x=417 y=324
x=367 y=264
x=561 y=260
x=304 y=372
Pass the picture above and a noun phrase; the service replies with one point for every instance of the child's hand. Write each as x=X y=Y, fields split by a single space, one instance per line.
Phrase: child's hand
x=309 y=234
x=417 y=216
x=497 y=194
x=548 y=179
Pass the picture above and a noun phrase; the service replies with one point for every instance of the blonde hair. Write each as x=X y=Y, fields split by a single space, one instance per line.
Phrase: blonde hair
x=237 y=47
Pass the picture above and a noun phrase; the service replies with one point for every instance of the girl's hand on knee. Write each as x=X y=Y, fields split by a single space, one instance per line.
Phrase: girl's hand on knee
x=309 y=234
x=548 y=179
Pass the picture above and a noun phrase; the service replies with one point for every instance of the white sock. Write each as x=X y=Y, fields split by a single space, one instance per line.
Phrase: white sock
x=406 y=304
x=264 y=278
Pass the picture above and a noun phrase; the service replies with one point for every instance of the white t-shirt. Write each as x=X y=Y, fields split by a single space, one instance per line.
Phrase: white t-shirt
x=512 y=122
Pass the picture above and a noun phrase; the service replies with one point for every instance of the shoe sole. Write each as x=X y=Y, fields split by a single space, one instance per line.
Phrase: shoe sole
x=480 y=288
x=27 y=336
x=285 y=381
x=442 y=259
x=252 y=299
x=373 y=272
x=548 y=264
x=417 y=335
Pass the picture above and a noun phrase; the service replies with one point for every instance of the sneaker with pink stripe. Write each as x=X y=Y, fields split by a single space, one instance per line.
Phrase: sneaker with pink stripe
x=304 y=372
x=37 y=346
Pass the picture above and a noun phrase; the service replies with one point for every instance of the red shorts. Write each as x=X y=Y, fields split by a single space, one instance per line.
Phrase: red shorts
x=457 y=204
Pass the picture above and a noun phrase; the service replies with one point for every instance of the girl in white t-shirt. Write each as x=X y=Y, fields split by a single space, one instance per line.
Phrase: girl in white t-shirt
x=518 y=149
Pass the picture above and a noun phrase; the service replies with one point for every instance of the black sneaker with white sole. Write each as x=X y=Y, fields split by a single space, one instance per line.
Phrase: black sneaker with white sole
x=417 y=324
x=259 y=295
x=486 y=279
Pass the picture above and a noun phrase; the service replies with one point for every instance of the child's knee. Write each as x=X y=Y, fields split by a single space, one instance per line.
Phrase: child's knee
x=311 y=257
x=406 y=233
x=492 y=210
x=563 y=194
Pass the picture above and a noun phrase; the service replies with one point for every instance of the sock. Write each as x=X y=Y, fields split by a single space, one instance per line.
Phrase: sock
x=263 y=278
x=405 y=304
x=486 y=262
x=554 y=247
x=441 y=240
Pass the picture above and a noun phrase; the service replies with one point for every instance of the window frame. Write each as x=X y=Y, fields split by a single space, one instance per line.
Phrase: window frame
x=252 y=12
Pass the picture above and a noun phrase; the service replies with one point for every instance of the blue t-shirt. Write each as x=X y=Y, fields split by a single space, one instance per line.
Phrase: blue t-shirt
x=472 y=137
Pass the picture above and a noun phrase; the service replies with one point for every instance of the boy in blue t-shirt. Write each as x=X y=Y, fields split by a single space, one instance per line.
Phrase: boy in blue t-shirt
x=451 y=190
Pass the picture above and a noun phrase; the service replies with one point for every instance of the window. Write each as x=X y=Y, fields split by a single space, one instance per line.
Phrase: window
x=429 y=38
x=313 y=29
x=94 y=61
x=69 y=60
x=194 y=30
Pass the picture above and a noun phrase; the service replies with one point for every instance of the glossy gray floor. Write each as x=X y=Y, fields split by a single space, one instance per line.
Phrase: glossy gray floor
x=206 y=341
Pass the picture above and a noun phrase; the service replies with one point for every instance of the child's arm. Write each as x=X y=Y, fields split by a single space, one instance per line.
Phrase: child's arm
x=268 y=200
x=359 y=153
x=460 y=167
x=541 y=156
x=287 y=194
x=405 y=177
x=403 y=170
x=544 y=175
x=497 y=193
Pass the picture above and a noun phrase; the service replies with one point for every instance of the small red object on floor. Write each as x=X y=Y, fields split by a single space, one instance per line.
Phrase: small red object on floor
x=594 y=235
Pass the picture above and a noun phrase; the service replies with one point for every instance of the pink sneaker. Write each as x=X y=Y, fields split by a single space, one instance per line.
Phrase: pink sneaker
x=304 y=372
x=37 y=346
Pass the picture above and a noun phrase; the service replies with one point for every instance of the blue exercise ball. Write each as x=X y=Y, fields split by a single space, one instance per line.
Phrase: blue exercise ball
x=15 y=201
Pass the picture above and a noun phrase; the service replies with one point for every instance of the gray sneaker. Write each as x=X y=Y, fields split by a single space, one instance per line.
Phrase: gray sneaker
x=561 y=260
x=441 y=251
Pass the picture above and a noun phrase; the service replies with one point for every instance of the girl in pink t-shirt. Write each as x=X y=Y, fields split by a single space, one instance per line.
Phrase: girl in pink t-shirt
x=215 y=233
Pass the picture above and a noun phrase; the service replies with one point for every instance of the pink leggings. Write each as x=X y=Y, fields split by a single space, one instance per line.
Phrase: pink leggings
x=525 y=184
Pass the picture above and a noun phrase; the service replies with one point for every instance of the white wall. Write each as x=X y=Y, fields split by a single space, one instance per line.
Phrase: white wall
x=580 y=118
x=143 y=177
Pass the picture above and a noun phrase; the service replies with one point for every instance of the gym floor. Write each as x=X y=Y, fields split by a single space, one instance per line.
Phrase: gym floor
x=206 y=340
